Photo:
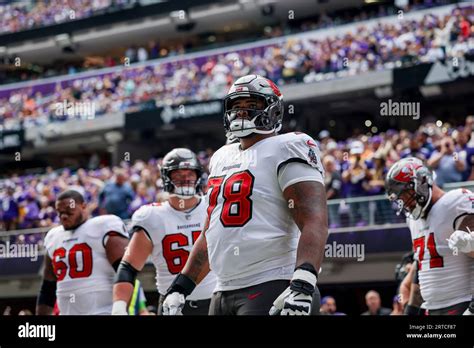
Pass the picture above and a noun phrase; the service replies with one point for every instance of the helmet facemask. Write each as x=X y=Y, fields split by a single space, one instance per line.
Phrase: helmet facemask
x=260 y=121
x=185 y=189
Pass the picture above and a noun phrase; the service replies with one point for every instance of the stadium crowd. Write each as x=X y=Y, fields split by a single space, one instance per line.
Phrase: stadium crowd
x=159 y=47
x=23 y=15
x=293 y=60
x=355 y=167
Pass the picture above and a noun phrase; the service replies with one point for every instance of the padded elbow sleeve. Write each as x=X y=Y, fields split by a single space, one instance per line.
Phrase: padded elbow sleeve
x=126 y=273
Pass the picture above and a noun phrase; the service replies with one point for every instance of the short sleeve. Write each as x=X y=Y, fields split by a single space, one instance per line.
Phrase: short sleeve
x=114 y=224
x=142 y=219
x=295 y=172
x=300 y=148
x=464 y=207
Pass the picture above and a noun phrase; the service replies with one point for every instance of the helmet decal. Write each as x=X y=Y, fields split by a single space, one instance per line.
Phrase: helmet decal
x=274 y=88
x=407 y=172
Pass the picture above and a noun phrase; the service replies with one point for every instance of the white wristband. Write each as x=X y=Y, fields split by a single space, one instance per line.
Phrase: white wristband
x=306 y=276
x=119 y=308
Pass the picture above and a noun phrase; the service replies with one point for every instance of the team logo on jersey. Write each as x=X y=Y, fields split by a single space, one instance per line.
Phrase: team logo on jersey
x=312 y=157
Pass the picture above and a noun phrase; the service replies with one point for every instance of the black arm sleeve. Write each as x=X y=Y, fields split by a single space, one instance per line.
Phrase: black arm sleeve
x=47 y=294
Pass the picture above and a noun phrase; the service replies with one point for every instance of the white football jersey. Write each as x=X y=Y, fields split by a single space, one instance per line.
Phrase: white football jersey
x=252 y=237
x=85 y=277
x=446 y=278
x=173 y=234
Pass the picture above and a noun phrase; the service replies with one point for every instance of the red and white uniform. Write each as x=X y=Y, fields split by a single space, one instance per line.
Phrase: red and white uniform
x=445 y=278
x=252 y=237
x=173 y=233
x=85 y=277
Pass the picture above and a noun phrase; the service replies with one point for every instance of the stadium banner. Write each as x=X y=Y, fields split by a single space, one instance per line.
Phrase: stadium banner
x=156 y=117
x=11 y=141
x=167 y=331
x=433 y=73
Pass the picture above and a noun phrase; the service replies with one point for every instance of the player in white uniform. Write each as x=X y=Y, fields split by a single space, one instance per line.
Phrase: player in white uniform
x=440 y=224
x=267 y=215
x=168 y=231
x=82 y=256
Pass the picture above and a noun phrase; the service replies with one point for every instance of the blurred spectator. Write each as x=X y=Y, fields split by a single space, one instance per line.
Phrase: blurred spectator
x=9 y=210
x=424 y=139
x=328 y=306
x=47 y=214
x=30 y=208
x=374 y=304
x=116 y=196
x=376 y=186
x=397 y=308
x=141 y=198
x=466 y=152
x=447 y=164
x=25 y=312
x=142 y=54
x=356 y=180
x=416 y=149
x=131 y=54
x=333 y=184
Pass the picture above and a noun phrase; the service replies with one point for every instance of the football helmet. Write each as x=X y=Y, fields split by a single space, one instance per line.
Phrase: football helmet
x=181 y=158
x=261 y=121
x=410 y=175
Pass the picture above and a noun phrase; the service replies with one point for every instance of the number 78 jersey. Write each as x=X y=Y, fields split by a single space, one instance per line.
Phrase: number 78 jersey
x=252 y=237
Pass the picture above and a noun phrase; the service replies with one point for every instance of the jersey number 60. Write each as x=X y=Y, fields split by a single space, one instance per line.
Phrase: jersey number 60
x=60 y=267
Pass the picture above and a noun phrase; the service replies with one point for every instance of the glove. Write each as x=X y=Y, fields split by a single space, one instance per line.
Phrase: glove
x=462 y=241
x=174 y=304
x=470 y=309
x=175 y=297
x=119 y=308
x=297 y=298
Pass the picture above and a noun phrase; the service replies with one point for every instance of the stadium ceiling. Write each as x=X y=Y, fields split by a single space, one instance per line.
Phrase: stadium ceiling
x=219 y=17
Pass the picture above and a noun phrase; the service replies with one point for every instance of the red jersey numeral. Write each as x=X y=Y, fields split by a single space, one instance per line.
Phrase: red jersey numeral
x=436 y=260
x=177 y=258
x=82 y=250
x=236 y=191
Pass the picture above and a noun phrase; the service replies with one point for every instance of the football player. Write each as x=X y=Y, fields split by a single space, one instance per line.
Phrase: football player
x=266 y=224
x=440 y=224
x=168 y=231
x=82 y=255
